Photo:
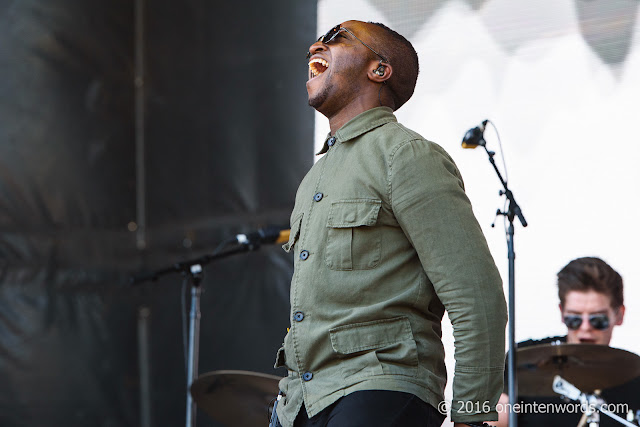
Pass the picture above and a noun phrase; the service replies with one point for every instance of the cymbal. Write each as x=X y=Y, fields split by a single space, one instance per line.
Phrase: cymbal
x=236 y=398
x=587 y=366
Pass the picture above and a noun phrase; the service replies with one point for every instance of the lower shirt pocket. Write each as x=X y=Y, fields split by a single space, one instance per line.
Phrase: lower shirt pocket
x=377 y=347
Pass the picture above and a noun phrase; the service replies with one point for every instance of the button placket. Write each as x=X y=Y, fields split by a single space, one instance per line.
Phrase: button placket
x=304 y=255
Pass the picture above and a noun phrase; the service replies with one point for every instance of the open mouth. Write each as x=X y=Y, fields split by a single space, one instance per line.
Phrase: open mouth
x=317 y=66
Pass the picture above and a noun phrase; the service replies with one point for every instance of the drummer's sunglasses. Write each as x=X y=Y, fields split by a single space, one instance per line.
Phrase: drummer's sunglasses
x=333 y=33
x=597 y=321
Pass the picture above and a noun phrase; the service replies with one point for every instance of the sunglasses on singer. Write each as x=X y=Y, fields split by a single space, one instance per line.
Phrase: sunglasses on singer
x=333 y=33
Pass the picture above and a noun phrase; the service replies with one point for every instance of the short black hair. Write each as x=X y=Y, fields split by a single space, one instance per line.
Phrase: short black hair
x=403 y=58
x=591 y=274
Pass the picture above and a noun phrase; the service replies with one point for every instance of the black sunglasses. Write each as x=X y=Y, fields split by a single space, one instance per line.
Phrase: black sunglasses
x=333 y=33
x=597 y=321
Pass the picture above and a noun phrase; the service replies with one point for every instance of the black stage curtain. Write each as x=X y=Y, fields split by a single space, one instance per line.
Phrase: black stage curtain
x=227 y=139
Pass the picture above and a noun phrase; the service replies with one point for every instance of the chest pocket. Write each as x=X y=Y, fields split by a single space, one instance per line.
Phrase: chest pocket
x=353 y=240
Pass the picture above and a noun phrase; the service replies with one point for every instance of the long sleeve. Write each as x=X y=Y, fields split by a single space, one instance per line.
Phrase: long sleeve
x=429 y=201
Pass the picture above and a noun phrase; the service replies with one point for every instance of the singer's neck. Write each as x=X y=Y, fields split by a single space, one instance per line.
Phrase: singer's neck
x=354 y=108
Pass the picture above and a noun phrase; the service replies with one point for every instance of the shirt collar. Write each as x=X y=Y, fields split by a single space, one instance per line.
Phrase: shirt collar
x=361 y=124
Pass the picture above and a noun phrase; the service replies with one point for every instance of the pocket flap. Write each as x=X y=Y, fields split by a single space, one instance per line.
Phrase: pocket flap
x=280 y=359
x=353 y=213
x=294 y=233
x=369 y=335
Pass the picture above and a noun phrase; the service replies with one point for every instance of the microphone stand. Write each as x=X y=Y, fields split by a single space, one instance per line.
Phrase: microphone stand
x=193 y=270
x=512 y=211
x=590 y=404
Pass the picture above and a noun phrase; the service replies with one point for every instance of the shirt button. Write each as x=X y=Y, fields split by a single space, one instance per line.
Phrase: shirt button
x=331 y=141
x=307 y=376
x=298 y=316
x=318 y=197
x=304 y=255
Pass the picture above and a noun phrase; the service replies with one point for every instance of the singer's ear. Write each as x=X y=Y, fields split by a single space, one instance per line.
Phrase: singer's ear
x=380 y=72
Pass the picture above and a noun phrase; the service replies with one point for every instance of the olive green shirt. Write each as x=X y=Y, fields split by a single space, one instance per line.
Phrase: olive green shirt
x=384 y=241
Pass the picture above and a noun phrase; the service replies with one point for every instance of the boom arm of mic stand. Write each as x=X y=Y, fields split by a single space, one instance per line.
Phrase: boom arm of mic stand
x=185 y=266
x=514 y=208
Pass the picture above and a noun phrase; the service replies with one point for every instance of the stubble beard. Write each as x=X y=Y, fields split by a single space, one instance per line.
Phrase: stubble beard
x=320 y=97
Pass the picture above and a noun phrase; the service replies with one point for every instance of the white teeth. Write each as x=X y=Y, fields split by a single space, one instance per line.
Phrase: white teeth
x=314 y=70
x=319 y=60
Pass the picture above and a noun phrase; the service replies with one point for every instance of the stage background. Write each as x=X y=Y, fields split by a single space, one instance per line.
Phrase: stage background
x=560 y=79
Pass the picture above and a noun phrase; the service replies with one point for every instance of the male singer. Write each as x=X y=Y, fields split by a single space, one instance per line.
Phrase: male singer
x=384 y=241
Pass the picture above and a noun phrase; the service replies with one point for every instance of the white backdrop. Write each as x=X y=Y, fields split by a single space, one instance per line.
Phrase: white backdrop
x=561 y=81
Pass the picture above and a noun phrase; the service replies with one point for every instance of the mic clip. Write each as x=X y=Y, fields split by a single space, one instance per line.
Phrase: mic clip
x=251 y=241
x=498 y=213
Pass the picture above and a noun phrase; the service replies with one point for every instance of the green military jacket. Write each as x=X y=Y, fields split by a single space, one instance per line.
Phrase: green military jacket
x=384 y=241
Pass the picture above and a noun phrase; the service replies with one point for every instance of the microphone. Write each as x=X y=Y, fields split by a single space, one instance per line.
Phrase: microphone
x=475 y=136
x=270 y=234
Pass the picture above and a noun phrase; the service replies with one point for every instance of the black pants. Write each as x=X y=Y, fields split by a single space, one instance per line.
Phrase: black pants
x=374 y=408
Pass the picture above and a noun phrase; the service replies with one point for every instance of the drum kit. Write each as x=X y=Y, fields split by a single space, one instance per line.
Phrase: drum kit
x=578 y=372
x=236 y=398
x=574 y=371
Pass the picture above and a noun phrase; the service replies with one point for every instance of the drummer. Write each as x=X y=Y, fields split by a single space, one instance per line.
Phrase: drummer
x=591 y=306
